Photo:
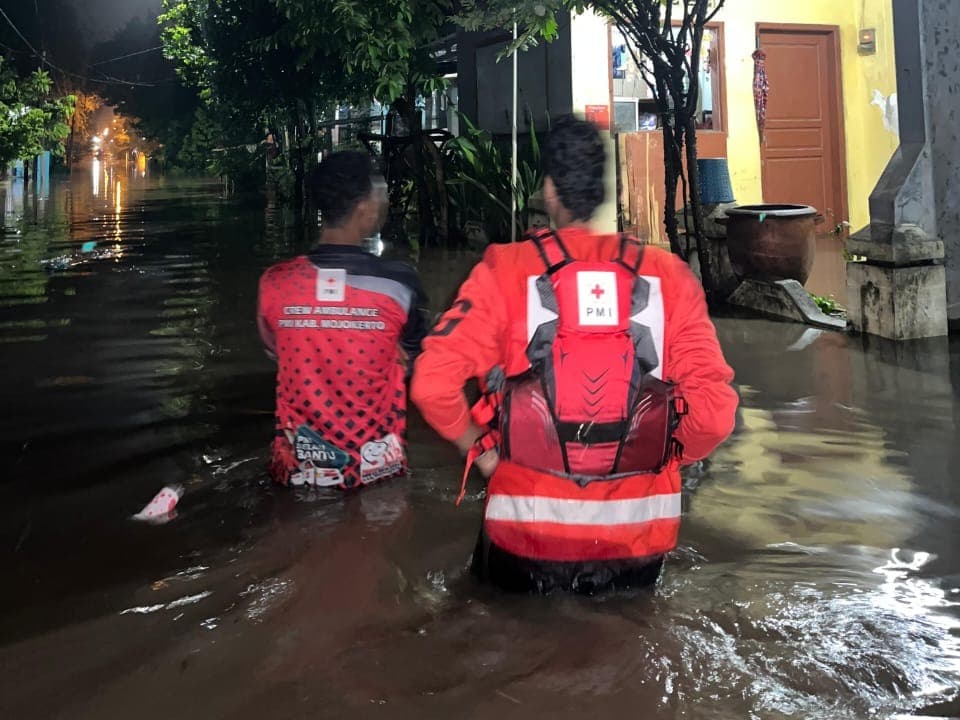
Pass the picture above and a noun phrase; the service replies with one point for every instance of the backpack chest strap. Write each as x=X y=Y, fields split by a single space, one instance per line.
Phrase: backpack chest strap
x=551 y=248
x=631 y=253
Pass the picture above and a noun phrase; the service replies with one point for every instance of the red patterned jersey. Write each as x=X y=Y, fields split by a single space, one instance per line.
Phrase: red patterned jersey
x=344 y=326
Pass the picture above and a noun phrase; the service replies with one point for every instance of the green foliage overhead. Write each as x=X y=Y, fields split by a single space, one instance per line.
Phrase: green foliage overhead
x=287 y=64
x=272 y=54
x=536 y=19
x=239 y=53
x=384 y=46
x=32 y=118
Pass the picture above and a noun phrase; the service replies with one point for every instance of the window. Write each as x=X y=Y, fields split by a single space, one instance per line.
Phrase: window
x=627 y=80
x=634 y=107
x=625 y=115
x=709 y=69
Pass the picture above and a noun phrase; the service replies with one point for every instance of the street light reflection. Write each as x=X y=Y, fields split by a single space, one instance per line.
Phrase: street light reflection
x=96 y=178
x=118 y=231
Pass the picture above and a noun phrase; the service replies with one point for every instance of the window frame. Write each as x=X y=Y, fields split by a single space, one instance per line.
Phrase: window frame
x=719 y=99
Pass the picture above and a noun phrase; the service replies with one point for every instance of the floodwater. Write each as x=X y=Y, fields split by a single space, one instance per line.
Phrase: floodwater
x=818 y=574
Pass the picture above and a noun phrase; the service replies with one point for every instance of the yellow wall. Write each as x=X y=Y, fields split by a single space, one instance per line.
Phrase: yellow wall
x=869 y=144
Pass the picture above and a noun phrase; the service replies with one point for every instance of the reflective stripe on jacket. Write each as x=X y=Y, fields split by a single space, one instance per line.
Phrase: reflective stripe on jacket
x=535 y=515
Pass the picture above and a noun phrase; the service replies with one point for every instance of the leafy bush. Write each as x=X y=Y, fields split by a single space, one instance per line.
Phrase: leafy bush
x=211 y=148
x=32 y=118
x=479 y=181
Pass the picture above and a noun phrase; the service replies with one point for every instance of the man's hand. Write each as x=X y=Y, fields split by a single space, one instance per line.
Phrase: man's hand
x=467 y=440
x=487 y=463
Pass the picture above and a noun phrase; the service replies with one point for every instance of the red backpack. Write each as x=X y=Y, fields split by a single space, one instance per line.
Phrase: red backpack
x=588 y=407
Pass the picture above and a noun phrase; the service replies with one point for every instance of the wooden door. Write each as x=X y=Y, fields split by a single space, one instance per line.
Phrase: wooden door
x=803 y=150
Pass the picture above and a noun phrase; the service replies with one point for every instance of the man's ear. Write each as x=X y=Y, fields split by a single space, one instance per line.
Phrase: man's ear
x=549 y=189
x=550 y=198
x=364 y=213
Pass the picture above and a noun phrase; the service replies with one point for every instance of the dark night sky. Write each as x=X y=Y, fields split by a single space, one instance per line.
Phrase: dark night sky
x=101 y=18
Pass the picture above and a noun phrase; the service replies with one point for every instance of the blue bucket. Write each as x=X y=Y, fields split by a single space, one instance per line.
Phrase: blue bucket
x=715 y=184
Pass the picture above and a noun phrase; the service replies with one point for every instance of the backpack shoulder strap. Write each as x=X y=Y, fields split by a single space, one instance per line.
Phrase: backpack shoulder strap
x=631 y=253
x=551 y=248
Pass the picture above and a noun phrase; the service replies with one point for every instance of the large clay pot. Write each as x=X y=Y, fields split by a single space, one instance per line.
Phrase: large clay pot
x=772 y=242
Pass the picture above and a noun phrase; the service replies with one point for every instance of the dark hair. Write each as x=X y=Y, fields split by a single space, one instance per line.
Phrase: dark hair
x=340 y=183
x=575 y=160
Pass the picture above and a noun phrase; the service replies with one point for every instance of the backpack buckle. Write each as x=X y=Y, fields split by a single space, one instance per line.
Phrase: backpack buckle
x=680 y=406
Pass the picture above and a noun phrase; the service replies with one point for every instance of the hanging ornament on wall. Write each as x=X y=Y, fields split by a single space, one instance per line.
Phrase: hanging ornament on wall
x=761 y=89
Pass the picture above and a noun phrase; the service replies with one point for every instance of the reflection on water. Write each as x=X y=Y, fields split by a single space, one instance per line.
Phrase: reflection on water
x=818 y=574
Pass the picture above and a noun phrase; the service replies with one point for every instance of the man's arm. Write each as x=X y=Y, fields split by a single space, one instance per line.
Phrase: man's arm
x=697 y=366
x=465 y=344
x=263 y=323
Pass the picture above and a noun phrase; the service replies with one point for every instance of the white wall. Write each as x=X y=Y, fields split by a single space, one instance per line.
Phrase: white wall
x=589 y=40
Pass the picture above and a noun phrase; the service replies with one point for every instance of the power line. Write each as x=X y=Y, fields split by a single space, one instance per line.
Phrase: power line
x=40 y=56
x=36 y=12
x=22 y=37
x=134 y=83
x=18 y=51
x=130 y=55
x=109 y=80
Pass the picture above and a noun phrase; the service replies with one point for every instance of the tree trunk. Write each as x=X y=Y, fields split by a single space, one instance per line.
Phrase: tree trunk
x=301 y=171
x=294 y=157
x=671 y=168
x=671 y=179
x=648 y=24
x=424 y=206
x=709 y=267
x=70 y=141
x=441 y=200
x=406 y=108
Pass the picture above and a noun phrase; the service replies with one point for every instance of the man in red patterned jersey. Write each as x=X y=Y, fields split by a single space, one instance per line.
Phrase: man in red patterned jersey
x=606 y=373
x=344 y=326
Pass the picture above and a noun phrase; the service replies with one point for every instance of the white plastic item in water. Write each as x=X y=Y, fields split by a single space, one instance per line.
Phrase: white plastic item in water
x=161 y=508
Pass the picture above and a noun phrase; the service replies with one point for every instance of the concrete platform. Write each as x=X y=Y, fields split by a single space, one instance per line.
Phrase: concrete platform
x=785 y=299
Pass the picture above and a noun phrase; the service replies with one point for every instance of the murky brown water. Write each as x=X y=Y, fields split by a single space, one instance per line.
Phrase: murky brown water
x=818 y=574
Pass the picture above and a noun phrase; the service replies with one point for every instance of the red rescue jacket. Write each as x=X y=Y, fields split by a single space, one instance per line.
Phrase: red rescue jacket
x=337 y=320
x=544 y=513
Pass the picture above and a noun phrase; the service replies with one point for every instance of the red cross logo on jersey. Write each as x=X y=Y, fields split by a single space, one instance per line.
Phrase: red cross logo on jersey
x=598 y=291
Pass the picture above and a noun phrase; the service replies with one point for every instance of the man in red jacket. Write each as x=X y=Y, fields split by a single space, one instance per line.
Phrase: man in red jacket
x=614 y=378
x=343 y=326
